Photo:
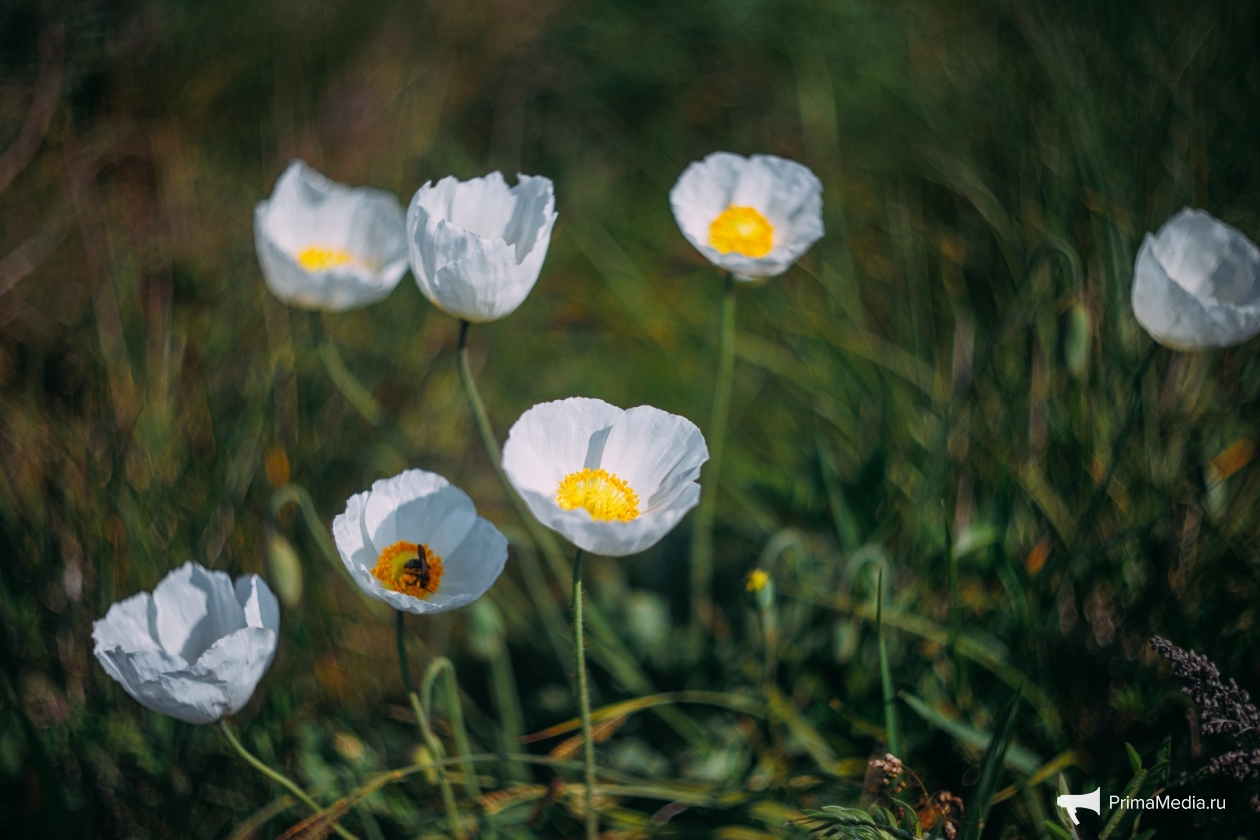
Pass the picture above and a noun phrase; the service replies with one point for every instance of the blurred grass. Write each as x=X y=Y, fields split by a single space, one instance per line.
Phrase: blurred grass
x=933 y=395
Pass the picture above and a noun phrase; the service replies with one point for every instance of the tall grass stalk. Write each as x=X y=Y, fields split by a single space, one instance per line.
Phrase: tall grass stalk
x=584 y=702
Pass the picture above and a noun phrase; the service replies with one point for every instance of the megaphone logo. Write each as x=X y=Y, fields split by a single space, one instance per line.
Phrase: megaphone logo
x=1071 y=801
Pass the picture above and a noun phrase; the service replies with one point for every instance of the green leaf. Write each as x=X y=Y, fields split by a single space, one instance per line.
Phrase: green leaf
x=1130 y=789
x=1059 y=833
x=1135 y=760
x=990 y=770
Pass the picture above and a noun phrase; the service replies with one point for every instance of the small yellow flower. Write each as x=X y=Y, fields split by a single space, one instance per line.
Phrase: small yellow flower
x=757 y=580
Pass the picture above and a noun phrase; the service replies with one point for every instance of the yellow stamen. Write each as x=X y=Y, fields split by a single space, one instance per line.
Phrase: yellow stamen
x=319 y=258
x=419 y=580
x=742 y=230
x=757 y=580
x=602 y=494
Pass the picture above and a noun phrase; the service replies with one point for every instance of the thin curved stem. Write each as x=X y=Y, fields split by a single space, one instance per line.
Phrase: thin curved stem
x=584 y=702
x=442 y=665
x=702 y=530
x=430 y=739
x=277 y=777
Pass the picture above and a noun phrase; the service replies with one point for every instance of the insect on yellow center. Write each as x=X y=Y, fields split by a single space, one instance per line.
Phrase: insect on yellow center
x=410 y=569
x=319 y=258
x=742 y=230
x=603 y=495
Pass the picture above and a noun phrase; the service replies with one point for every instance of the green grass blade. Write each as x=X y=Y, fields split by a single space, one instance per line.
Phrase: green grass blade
x=990 y=770
x=1130 y=789
x=885 y=675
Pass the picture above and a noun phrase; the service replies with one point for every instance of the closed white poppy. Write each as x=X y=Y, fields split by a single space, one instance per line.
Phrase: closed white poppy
x=612 y=481
x=753 y=216
x=324 y=245
x=196 y=648
x=477 y=246
x=1196 y=284
x=415 y=541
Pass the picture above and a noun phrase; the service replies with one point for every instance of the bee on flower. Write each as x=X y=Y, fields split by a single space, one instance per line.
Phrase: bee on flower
x=415 y=541
x=324 y=245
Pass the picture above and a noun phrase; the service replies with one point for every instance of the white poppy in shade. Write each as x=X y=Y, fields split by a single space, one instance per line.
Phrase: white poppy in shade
x=612 y=481
x=324 y=245
x=477 y=246
x=196 y=648
x=415 y=541
x=1196 y=283
x=753 y=216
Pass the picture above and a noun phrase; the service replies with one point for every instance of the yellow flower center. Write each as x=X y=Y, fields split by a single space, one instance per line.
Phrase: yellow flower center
x=742 y=230
x=319 y=258
x=602 y=494
x=410 y=569
x=757 y=580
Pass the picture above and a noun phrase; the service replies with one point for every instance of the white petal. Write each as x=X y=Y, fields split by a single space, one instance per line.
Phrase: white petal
x=611 y=538
x=306 y=209
x=419 y=507
x=554 y=439
x=353 y=546
x=195 y=608
x=655 y=452
x=258 y=602
x=477 y=247
x=129 y=625
x=238 y=661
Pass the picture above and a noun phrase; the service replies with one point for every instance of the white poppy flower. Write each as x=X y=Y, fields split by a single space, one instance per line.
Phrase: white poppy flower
x=415 y=541
x=1196 y=284
x=196 y=648
x=477 y=246
x=612 y=481
x=324 y=245
x=753 y=216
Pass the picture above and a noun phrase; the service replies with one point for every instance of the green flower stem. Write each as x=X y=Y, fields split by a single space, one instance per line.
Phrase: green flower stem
x=277 y=777
x=441 y=665
x=430 y=740
x=702 y=530
x=584 y=702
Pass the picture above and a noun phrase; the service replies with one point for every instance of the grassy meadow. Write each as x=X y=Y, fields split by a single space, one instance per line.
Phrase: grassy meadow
x=948 y=395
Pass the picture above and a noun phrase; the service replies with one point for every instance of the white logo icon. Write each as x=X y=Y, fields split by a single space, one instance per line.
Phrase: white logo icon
x=1070 y=802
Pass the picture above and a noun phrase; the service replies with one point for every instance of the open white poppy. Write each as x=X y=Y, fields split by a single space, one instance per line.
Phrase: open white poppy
x=415 y=541
x=478 y=246
x=612 y=481
x=753 y=216
x=324 y=245
x=1196 y=283
x=196 y=648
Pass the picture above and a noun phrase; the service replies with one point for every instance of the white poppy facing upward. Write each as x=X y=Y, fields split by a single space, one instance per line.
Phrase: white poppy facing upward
x=612 y=481
x=478 y=246
x=415 y=541
x=324 y=245
x=196 y=648
x=753 y=216
x=1196 y=284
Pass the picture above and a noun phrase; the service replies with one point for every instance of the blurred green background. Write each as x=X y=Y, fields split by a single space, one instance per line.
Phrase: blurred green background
x=949 y=388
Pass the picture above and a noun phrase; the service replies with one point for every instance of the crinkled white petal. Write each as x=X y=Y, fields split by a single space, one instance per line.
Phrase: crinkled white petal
x=469 y=566
x=1196 y=284
x=552 y=440
x=787 y=193
x=658 y=454
x=195 y=608
x=306 y=209
x=145 y=643
x=477 y=247
x=420 y=507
